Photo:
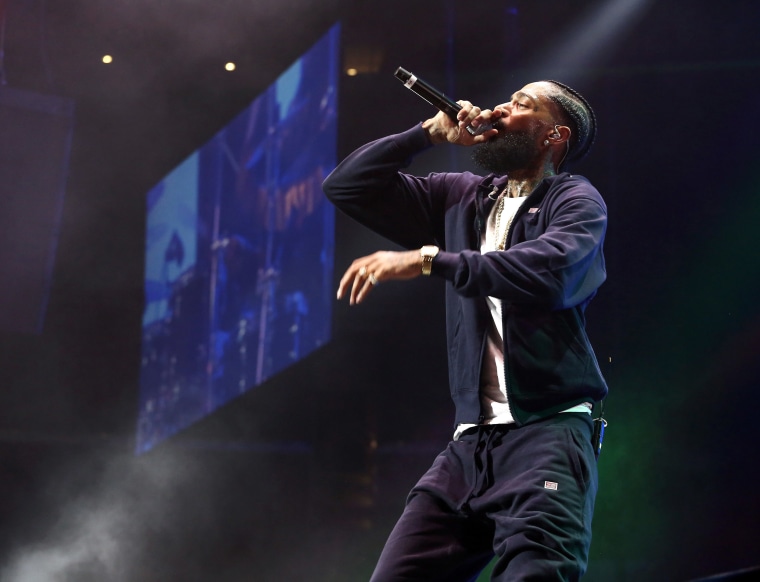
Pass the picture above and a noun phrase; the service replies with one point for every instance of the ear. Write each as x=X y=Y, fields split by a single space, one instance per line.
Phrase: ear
x=559 y=134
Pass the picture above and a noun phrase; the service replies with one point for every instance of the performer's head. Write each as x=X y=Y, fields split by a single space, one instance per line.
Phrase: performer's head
x=545 y=122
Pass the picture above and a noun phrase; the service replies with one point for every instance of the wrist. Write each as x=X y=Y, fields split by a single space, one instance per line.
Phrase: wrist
x=434 y=131
x=427 y=254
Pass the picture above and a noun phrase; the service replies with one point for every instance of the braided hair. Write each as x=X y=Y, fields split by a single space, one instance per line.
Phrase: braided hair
x=580 y=118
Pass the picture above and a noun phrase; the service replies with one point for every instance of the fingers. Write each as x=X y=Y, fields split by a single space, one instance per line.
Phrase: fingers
x=366 y=273
x=470 y=118
x=467 y=113
x=484 y=125
x=363 y=284
x=469 y=128
x=360 y=279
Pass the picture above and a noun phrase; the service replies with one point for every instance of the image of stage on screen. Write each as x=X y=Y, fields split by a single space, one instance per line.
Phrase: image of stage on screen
x=239 y=252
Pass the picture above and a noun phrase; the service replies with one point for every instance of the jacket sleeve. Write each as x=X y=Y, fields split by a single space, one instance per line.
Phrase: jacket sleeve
x=561 y=268
x=368 y=186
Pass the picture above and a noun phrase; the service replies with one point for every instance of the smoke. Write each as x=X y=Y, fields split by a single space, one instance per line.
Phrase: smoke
x=104 y=531
x=94 y=546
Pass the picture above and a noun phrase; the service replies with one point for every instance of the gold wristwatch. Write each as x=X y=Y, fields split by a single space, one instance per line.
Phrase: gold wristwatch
x=428 y=252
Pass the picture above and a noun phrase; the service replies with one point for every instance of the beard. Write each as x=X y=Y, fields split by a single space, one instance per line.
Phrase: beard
x=503 y=154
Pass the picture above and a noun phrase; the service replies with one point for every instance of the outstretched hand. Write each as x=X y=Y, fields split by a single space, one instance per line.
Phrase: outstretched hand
x=366 y=273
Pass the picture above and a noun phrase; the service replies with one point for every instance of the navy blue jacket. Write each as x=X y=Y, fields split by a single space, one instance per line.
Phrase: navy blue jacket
x=552 y=267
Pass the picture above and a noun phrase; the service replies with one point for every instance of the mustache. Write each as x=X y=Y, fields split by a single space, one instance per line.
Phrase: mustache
x=501 y=127
x=499 y=124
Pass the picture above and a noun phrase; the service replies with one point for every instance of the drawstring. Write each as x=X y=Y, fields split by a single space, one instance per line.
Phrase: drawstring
x=482 y=466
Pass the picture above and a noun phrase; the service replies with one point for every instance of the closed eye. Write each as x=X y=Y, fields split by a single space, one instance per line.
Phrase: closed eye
x=523 y=101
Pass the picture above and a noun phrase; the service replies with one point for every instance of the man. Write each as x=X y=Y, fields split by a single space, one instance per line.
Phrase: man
x=521 y=251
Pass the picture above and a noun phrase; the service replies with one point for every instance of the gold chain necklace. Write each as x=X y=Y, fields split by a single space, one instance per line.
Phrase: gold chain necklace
x=502 y=243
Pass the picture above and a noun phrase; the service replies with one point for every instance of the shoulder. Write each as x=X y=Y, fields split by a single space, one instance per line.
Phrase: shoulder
x=565 y=187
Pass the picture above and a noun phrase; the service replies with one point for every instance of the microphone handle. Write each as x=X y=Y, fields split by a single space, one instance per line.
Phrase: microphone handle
x=436 y=98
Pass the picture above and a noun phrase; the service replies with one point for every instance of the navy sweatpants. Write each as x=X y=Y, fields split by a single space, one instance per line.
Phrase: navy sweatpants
x=523 y=494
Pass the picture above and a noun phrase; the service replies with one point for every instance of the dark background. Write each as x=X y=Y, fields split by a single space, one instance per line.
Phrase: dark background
x=302 y=478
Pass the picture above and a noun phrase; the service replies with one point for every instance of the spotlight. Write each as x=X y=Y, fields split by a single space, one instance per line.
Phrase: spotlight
x=107 y=59
x=594 y=36
x=230 y=66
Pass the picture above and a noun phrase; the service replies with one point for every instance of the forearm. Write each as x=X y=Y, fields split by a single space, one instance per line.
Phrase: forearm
x=372 y=168
x=559 y=269
x=370 y=187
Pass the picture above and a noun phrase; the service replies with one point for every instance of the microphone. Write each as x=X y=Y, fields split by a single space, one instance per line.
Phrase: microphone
x=435 y=98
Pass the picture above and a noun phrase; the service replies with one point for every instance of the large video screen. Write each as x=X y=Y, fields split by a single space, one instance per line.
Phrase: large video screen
x=239 y=251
